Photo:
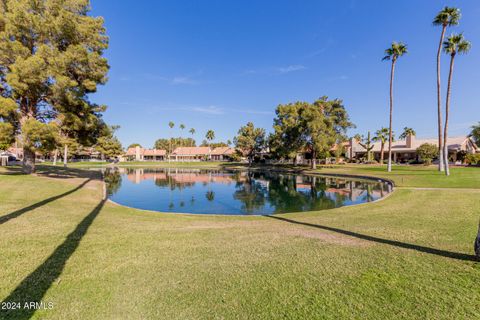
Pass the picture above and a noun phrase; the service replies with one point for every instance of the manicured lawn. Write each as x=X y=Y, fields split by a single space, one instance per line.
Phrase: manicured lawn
x=408 y=256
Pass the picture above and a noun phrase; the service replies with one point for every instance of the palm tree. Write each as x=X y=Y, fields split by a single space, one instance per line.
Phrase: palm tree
x=382 y=137
x=454 y=44
x=210 y=135
x=397 y=50
x=407 y=132
x=446 y=18
x=182 y=126
x=171 y=125
x=192 y=132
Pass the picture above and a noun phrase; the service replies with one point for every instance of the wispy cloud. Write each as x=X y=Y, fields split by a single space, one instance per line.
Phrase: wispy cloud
x=315 y=53
x=290 y=68
x=249 y=111
x=175 y=80
x=208 y=110
x=184 y=80
x=275 y=70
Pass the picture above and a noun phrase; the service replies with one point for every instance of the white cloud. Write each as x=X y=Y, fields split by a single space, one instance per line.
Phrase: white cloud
x=275 y=70
x=184 y=80
x=290 y=68
x=208 y=110
x=316 y=53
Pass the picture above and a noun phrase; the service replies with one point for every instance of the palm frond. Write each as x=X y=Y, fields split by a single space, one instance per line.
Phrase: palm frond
x=456 y=43
x=448 y=16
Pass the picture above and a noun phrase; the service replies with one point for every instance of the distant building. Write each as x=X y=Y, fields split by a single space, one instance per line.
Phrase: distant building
x=222 y=153
x=190 y=154
x=405 y=150
x=141 y=154
x=180 y=154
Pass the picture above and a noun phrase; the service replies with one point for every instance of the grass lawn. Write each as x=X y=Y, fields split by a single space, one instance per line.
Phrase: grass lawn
x=406 y=257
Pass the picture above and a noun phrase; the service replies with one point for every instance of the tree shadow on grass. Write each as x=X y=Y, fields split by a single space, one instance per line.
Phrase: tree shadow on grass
x=438 y=252
x=34 y=206
x=56 y=172
x=36 y=284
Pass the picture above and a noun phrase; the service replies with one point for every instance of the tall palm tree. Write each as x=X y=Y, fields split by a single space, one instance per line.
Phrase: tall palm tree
x=192 y=132
x=447 y=17
x=407 y=132
x=171 y=125
x=210 y=135
x=454 y=44
x=382 y=137
x=182 y=127
x=396 y=50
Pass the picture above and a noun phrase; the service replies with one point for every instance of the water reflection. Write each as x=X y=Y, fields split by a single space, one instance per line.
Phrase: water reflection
x=239 y=192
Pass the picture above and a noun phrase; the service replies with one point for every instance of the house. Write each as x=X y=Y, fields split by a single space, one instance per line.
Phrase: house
x=406 y=150
x=141 y=154
x=190 y=154
x=222 y=154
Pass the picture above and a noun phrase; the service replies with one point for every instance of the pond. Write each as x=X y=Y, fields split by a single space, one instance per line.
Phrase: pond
x=205 y=191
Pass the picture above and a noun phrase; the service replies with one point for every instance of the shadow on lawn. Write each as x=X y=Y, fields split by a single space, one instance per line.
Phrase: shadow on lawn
x=438 y=252
x=56 y=172
x=36 y=284
x=17 y=213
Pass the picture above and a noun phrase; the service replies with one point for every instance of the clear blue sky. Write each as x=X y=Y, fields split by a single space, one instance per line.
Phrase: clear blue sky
x=219 y=64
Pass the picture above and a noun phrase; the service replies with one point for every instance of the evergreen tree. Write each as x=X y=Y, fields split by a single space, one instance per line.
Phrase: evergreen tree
x=50 y=60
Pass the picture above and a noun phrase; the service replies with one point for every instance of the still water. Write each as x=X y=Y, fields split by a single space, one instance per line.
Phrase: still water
x=235 y=192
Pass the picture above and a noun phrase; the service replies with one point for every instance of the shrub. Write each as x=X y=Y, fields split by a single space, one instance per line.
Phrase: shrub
x=426 y=152
x=472 y=159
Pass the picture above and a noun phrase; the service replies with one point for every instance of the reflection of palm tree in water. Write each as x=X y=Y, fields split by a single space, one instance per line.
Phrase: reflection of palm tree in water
x=367 y=193
x=210 y=195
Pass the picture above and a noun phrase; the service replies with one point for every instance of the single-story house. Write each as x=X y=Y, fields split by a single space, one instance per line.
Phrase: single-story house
x=141 y=154
x=190 y=154
x=405 y=150
x=221 y=153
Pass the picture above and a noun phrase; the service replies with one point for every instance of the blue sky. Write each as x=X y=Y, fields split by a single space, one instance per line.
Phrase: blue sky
x=219 y=64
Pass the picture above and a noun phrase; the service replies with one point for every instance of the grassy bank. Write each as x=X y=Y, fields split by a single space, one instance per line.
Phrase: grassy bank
x=408 y=256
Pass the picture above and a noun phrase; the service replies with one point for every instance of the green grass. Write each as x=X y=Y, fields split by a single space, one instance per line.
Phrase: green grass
x=406 y=257
x=416 y=176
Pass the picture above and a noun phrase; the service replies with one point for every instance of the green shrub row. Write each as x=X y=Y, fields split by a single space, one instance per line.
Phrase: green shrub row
x=473 y=159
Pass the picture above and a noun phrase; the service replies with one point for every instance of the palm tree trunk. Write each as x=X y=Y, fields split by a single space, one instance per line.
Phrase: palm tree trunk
x=314 y=157
x=439 y=104
x=55 y=156
x=447 y=111
x=392 y=73
x=65 y=156
x=382 y=148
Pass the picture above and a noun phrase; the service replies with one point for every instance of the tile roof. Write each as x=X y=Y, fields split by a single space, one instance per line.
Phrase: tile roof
x=154 y=152
x=146 y=152
x=223 y=151
x=191 y=151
